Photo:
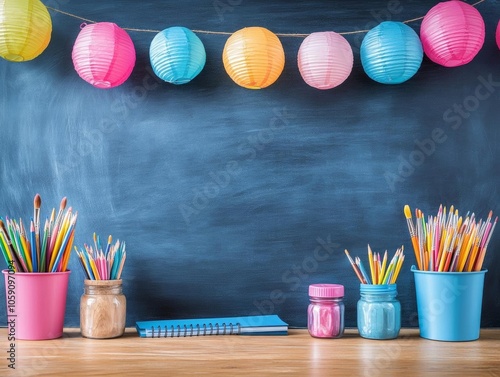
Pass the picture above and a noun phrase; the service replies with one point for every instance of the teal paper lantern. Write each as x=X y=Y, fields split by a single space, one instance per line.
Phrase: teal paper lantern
x=177 y=55
x=391 y=53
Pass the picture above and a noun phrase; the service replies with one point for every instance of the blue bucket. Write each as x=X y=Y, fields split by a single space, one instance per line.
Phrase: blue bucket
x=449 y=304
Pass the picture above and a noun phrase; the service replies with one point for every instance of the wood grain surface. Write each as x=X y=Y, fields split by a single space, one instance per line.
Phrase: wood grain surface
x=297 y=354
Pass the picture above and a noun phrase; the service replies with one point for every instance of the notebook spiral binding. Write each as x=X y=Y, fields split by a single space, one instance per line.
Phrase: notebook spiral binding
x=185 y=331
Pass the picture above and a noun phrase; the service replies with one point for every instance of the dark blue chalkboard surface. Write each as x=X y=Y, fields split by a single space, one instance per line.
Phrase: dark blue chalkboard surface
x=232 y=201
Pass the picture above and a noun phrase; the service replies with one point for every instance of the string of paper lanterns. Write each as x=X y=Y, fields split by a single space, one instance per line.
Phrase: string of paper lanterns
x=451 y=34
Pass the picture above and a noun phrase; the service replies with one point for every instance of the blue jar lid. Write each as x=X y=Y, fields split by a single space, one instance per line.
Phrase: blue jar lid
x=378 y=288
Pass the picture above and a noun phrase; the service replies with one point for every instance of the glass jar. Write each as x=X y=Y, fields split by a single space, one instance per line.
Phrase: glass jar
x=325 y=314
x=102 y=309
x=379 y=311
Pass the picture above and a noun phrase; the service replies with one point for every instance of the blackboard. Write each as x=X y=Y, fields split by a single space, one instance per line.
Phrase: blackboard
x=232 y=201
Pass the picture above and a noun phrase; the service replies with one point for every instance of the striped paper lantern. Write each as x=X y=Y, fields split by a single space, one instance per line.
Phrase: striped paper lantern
x=253 y=57
x=325 y=60
x=103 y=55
x=25 y=29
x=177 y=55
x=452 y=33
x=391 y=53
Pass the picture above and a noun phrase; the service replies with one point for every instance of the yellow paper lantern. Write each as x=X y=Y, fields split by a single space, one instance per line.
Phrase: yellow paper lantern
x=25 y=29
x=253 y=57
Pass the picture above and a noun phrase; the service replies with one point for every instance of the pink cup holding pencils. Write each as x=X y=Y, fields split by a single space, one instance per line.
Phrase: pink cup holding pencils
x=36 y=304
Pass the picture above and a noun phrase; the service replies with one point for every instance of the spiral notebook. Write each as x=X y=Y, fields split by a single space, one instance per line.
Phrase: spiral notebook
x=249 y=325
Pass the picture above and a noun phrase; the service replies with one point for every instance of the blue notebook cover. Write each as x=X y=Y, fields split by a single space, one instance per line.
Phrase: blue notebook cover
x=247 y=325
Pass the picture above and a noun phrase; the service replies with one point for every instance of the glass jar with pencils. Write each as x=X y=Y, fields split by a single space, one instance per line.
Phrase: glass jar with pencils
x=102 y=309
x=379 y=311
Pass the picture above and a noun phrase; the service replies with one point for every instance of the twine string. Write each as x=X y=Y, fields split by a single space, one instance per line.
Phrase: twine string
x=293 y=35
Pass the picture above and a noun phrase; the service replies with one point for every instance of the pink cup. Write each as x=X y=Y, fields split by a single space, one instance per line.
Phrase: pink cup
x=36 y=304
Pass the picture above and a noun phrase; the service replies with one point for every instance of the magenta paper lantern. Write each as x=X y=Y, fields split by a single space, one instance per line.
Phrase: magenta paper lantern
x=103 y=55
x=325 y=60
x=452 y=33
x=498 y=34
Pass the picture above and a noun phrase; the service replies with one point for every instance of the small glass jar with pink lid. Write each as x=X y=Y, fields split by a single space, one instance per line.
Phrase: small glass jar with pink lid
x=325 y=314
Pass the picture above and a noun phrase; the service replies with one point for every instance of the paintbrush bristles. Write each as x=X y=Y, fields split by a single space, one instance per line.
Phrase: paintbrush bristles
x=64 y=201
x=37 y=202
x=407 y=211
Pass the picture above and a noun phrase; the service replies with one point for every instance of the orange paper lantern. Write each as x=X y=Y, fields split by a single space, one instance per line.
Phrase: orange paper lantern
x=253 y=57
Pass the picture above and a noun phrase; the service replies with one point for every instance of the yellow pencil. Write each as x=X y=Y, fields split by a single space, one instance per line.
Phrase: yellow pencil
x=472 y=257
x=466 y=248
x=94 y=269
x=446 y=246
x=382 y=270
x=398 y=268
x=60 y=236
x=370 y=261
x=67 y=252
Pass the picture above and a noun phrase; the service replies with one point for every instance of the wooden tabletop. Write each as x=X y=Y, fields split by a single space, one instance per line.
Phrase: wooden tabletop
x=296 y=354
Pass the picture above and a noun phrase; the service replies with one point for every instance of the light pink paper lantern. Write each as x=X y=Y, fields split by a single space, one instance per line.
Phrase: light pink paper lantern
x=103 y=55
x=498 y=34
x=452 y=33
x=325 y=60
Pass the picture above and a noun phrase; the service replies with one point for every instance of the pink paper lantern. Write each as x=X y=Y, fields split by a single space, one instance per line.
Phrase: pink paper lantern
x=452 y=33
x=325 y=60
x=103 y=55
x=498 y=34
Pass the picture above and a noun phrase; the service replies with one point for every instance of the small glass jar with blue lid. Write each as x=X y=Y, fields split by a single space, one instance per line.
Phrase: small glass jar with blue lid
x=379 y=311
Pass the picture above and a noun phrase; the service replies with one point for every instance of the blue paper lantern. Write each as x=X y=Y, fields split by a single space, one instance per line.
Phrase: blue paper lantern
x=177 y=55
x=391 y=53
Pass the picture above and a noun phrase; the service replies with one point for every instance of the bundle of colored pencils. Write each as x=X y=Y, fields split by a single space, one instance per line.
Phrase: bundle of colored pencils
x=33 y=252
x=447 y=242
x=102 y=265
x=380 y=273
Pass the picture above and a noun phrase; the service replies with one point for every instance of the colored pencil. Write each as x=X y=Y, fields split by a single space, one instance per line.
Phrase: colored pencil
x=32 y=252
x=380 y=274
x=99 y=264
x=355 y=268
x=452 y=243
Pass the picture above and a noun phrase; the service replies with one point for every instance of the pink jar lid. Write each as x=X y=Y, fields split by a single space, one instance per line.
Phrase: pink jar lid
x=326 y=290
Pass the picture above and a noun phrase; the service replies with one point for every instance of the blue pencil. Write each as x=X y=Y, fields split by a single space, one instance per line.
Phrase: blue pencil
x=362 y=269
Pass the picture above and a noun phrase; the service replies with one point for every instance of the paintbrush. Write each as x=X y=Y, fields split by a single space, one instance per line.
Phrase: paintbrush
x=37 y=202
x=57 y=224
x=413 y=235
